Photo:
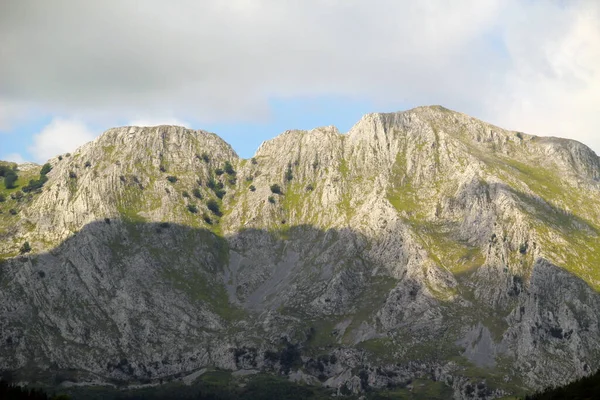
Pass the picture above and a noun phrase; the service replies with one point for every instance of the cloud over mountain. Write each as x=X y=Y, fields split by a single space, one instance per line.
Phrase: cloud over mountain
x=526 y=65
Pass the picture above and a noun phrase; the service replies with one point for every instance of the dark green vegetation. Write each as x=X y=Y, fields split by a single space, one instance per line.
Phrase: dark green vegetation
x=17 y=191
x=9 y=180
x=35 y=184
x=12 y=392
x=228 y=168
x=45 y=169
x=214 y=207
x=587 y=388
x=215 y=385
x=212 y=385
x=221 y=385
x=217 y=187
x=26 y=248
x=9 y=173
x=288 y=173
x=6 y=168
x=275 y=188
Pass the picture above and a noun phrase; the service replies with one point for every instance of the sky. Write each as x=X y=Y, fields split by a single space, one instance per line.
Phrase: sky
x=251 y=69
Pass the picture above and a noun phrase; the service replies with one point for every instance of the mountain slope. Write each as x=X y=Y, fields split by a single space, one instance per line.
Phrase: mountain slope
x=420 y=243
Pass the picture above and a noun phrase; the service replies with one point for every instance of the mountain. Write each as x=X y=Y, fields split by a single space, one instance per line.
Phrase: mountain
x=423 y=244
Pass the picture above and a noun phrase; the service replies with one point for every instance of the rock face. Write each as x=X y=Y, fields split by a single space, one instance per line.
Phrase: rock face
x=423 y=243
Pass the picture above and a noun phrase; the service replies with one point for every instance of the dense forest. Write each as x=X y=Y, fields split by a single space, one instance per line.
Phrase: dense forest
x=13 y=392
x=220 y=386
x=584 y=389
x=215 y=386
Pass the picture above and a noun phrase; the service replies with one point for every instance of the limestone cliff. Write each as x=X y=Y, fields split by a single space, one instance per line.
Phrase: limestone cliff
x=420 y=243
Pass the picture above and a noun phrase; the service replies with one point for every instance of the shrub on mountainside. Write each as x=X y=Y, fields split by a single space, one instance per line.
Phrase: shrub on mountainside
x=275 y=188
x=35 y=184
x=45 y=169
x=211 y=183
x=25 y=248
x=172 y=178
x=271 y=199
x=214 y=207
x=18 y=195
x=228 y=168
x=10 y=179
x=197 y=194
x=523 y=248
x=220 y=193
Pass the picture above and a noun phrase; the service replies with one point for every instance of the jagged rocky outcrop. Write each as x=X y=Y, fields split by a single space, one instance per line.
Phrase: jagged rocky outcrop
x=423 y=243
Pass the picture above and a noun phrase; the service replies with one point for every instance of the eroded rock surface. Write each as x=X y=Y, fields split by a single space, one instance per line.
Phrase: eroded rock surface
x=423 y=243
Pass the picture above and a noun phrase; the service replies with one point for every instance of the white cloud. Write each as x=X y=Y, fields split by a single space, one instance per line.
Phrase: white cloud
x=11 y=113
x=216 y=60
x=553 y=85
x=13 y=157
x=158 y=121
x=528 y=65
x=59 y=136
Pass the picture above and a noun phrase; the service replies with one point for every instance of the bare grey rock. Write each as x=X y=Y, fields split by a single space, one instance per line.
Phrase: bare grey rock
x=423 y=243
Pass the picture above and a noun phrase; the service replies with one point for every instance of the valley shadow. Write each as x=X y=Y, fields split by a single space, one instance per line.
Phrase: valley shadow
x=161 y=274
x=116 y=286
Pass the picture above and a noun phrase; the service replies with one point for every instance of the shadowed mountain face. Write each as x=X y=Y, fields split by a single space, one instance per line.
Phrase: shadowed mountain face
x=420 y=244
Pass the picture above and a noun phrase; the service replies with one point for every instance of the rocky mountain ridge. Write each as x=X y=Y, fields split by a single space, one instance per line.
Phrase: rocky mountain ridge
x=420 y=243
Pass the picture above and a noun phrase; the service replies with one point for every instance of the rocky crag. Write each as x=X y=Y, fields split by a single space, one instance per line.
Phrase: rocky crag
x=420 y=244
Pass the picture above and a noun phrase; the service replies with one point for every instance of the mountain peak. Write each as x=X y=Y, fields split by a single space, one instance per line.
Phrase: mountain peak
x=423 y=235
